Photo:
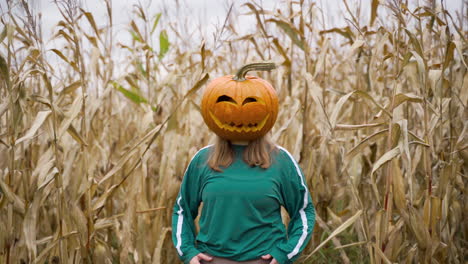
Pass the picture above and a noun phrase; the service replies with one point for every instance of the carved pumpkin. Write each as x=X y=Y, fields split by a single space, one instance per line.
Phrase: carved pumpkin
x=239 y=107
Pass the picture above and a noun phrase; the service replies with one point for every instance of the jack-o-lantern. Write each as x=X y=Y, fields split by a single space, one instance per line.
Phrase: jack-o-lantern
x=239 y=107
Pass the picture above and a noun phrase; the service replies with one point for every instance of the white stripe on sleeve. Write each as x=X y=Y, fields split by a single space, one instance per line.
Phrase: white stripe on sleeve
x=180 y=218
x=302 y=210
x=180 y=221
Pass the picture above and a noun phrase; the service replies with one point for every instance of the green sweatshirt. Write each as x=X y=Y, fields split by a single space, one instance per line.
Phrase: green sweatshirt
x=241 y=216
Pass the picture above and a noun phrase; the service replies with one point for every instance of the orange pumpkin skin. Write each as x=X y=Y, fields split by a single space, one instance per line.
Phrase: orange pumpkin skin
x=239 y=110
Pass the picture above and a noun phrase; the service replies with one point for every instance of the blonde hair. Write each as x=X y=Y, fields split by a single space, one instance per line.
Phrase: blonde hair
x=257 y=153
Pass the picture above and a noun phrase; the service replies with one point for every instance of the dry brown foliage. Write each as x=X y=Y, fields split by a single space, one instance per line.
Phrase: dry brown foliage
x=92 y=151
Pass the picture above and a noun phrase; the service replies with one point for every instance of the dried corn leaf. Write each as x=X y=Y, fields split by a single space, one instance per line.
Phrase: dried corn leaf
x=356 y=127
x=38 y=121
x=291 y=31
x=421 y=67
x=337 y=108
x=345 y=32
x=70 y=115
x=381 y=254
x=30 y=224
x=343 y=99
x=391 y=154
x=436 y=215
x=72 y=87
x=388 y=156
x=76 y=136
x=374 y=7
x=365 y=143
x=78 y=217
x=459 y=46
x=398 y=188
x=99 y=203
x=89 y=16
x=321 y=60
x=51 y=246
x=3 y=108
x=415 y=221
x=337 y=231
x=64 y=58
x=379 y=226
x=5 y=72
x=415 y=43
x=396 y=133
x=157 y=254
x=18 y=202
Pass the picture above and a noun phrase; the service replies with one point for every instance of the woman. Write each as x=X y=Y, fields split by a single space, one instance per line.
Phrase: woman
x=242 y=180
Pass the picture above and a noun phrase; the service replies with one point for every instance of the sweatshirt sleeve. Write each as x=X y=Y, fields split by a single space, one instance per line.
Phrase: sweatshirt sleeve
x=186 y=210
x=298 y=203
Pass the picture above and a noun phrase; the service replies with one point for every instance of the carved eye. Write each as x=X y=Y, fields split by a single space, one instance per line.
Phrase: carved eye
x=225 y=98
x=249 y=100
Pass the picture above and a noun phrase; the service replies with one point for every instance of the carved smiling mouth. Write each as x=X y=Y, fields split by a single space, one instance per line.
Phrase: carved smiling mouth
x=240 y=128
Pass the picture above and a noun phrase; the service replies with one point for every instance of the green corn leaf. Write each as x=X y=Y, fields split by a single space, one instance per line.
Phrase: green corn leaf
x=163 y=44
x=156 y=21
x=3 y=34
x=136 y=98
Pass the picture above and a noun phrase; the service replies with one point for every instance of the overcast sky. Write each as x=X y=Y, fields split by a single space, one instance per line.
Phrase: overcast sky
x=208 y=12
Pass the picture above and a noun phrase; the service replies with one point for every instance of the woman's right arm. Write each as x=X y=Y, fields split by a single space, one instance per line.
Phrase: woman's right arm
x=185 y=211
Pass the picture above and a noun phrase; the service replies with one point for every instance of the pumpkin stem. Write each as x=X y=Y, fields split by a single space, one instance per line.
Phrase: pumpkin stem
x=260 y=66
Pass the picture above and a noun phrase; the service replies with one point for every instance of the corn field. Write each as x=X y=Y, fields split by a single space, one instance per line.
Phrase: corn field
x=95 y=134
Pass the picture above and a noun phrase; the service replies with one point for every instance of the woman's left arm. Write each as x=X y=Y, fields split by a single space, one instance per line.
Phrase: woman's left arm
x=298 y=203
